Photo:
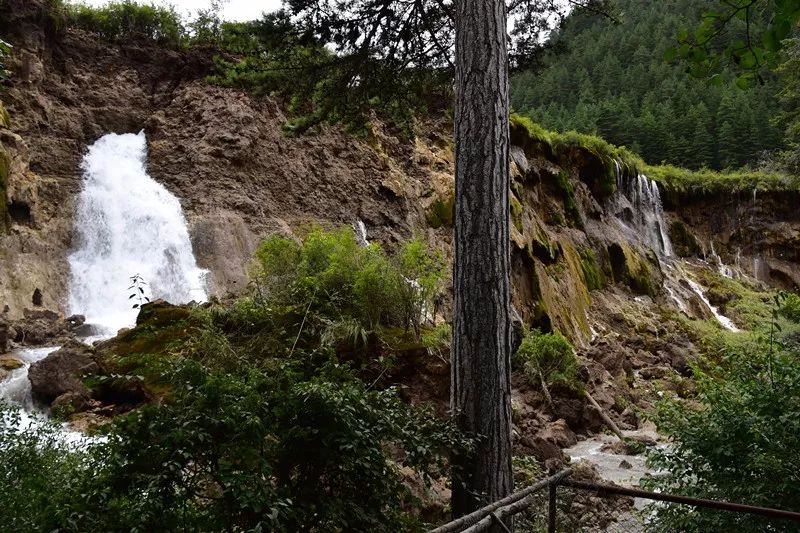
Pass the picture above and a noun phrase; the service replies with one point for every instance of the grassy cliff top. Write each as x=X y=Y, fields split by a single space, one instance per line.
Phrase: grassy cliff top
x=557 y=146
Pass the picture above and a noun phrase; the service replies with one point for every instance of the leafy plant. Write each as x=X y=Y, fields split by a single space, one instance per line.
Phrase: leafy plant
x=124 y=20
x=347 y=289
x=738 y=440
x=137 y=294
x=250 y=450
x=547 y=359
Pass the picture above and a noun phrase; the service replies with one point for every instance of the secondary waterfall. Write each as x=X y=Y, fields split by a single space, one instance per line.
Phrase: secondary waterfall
x=128 y=224
x=646 y=211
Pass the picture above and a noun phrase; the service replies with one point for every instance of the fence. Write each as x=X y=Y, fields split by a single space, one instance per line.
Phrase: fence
x=559 y=503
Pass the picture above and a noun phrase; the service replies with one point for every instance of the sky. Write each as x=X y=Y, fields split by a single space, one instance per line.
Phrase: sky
x=233 y=9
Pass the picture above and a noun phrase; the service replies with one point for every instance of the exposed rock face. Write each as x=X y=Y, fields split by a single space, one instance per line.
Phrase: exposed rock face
x=758 y=233
x=60 y=372
x=221 y=151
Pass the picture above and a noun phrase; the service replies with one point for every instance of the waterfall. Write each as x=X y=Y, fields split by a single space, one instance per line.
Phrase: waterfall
x=647 y=211
x=726 y=322
x=127 y=224
x=361 y=232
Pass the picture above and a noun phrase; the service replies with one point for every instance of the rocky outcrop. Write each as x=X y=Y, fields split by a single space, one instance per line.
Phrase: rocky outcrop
x=61 y=373
x=40 y=327
x=221 y=151
x=755 y=232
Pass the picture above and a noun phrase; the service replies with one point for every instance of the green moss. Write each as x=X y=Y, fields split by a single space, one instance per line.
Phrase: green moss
x=570 y=206
x=682 y=181
x=592 y=274
x=630 y=268
x=4 y=171
x=5 y=118
x=442 y=213
x=516 y=213
x=683 y=242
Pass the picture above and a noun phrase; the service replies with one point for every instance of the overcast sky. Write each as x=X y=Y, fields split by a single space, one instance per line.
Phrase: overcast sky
x=233 y=10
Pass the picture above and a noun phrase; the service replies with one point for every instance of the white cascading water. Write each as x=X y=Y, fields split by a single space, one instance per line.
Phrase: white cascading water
x=645 y=199
x=649 y=225
x=128 y=224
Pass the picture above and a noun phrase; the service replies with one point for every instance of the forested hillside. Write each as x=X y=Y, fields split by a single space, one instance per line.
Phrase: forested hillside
x=611 y=79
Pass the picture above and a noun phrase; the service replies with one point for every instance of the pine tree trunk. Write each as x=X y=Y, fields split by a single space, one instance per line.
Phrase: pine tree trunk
x=480 y=380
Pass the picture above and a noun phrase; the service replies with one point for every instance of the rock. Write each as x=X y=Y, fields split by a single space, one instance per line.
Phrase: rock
x=41 y=314
x=559 y=434
x=87 y=422
x=70 y=402
x=10 y=363
x=75 y=320
x=61 y=372
x=655 y=372
x=544 y=450
x=4 y=335
x=124 y=392
x=4 y=374
x=625 y=464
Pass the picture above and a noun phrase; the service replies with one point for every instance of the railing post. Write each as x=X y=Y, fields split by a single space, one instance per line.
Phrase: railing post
x=551 y=509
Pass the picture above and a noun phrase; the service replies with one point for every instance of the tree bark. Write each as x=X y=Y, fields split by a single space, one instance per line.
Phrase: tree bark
x=481 y=359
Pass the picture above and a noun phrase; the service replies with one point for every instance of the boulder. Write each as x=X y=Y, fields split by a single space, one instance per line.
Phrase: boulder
x=559 y=433
x=61 y=372
x=10 y=363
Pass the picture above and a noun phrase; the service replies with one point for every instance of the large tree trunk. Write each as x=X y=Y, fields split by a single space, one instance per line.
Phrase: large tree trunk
x=480 y=379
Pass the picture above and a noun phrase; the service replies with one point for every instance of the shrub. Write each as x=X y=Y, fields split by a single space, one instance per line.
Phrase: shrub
x=347 y=287
x=127 y=20
x=740 y=443
x=791 y=308
x=280 y=451
x=548 y=358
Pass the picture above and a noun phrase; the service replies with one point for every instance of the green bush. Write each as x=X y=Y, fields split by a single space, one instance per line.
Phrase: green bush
x=280 y=451
x=740 y=443
x=548 y=357
x=347 y=287
x=791 y=308
x=127 y=20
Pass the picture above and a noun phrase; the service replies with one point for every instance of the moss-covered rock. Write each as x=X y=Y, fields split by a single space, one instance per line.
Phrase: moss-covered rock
x=5 y=118
x=683 y=242
x=639 y=273
x=593 y=276
x=442 y=213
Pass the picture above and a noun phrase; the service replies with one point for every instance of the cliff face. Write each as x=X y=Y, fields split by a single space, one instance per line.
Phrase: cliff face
x=220 y=151
x=577 y=258
x=755 y=232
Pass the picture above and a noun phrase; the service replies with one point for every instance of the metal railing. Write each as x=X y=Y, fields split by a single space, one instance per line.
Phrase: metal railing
x=497 y=514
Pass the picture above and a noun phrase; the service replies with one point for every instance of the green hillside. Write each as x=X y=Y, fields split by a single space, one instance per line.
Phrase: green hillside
x=611 y=79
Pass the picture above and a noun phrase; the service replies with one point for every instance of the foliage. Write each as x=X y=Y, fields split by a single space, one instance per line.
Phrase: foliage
x=278 y=58
x=559 y=146
x=789 y=73
x=350 y=288
x=748 y=34
x=709 y=182
x=137 y=291
x=740 y=443
x=548 y=357
x=791 y=308
x=125 y=20
x=279 y=451
x=611 y=80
